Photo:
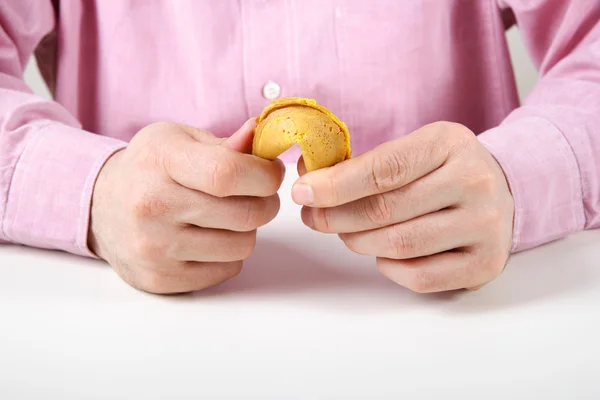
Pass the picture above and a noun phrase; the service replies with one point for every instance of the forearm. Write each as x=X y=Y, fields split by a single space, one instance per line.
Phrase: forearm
x=549 y=147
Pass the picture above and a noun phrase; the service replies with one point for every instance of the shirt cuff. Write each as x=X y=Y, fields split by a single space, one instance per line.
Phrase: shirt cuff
x=544 y=179
x=51 y=189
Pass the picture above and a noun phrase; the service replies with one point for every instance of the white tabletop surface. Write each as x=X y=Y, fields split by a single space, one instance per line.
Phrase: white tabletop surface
x=306 y=319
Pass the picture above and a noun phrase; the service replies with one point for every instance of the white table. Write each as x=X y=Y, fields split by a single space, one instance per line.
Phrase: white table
x=306 y=319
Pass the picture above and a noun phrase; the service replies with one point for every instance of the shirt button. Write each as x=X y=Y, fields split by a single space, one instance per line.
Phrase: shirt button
x=271 y=90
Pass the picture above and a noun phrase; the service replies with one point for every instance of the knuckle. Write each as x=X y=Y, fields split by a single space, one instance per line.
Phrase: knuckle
x=149 y=205
x=258 y=211
x=459 y=136
x=332 y=186
x=250 y=215
x=388 y=171
x=152 y=131
x=378 y=210
x=482 y=183
x=415 y=279
x=150 y=140
x=399 y=241
x=420 y=281
x=458 y=131
x=322 y=219
x=222 y=176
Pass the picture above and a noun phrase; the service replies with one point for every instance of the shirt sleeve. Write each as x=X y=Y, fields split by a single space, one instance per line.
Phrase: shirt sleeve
x=550 y=147
x=48 y=164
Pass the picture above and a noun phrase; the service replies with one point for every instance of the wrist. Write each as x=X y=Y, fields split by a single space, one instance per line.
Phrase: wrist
x=100 y=200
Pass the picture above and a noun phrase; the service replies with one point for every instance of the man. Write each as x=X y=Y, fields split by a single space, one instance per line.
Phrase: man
x=175 y=207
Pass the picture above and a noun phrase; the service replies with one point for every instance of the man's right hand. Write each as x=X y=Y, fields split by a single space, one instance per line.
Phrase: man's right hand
x=178 y=209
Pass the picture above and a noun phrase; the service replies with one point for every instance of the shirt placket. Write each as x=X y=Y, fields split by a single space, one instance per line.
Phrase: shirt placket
x=268 y=46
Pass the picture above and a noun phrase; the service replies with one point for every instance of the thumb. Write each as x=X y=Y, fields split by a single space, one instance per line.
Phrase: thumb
x=241 y=140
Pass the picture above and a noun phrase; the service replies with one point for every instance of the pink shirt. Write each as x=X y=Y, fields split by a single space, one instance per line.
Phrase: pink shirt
x=386 y=67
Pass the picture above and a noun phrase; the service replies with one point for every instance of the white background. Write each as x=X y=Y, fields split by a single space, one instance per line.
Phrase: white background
x=525 y=71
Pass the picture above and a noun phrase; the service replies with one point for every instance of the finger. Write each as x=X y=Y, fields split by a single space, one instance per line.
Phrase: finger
x=426 y=195
x=181 y=205
x=241 y=140
x=220 y=171
x=444 y=271
x=301 y=167
x=385 y=168
x=422 y=236
x=211 y=245
x=186 y=277
x=436 y=273
x=236 y=213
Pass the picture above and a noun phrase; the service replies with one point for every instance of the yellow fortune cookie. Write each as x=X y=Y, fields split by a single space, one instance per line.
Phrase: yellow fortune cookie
x=323 y=139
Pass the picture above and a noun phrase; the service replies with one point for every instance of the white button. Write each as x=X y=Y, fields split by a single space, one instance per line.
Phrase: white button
x=271 y=90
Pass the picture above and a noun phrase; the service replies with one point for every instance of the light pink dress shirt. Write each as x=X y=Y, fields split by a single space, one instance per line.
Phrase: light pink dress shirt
x=386 y=67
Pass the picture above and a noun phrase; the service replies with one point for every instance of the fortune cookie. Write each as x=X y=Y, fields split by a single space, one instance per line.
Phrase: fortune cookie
x=323 y=139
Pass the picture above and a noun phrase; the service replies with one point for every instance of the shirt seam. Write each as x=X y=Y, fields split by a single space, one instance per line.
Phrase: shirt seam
x=579 y=179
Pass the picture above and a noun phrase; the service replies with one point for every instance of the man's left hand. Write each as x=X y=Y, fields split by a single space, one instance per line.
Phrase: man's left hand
x=434 y=207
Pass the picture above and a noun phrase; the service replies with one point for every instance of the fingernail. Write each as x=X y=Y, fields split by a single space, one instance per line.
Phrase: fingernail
x=302 y=194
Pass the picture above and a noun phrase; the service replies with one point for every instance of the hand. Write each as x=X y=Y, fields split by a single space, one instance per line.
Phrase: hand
x=178 y=209
x=434 y=207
